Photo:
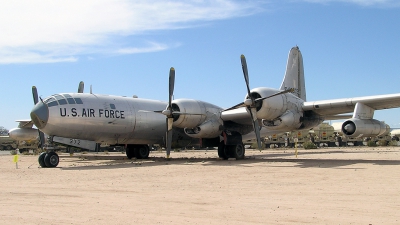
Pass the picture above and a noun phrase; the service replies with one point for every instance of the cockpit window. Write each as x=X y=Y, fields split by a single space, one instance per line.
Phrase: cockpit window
x=61 y=100
x=50 y=101
x=71 y=101
x=78 y=101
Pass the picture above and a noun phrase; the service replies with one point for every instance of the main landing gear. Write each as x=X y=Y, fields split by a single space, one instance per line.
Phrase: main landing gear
x=231 y=151
x=48 y=159
x=137 y=151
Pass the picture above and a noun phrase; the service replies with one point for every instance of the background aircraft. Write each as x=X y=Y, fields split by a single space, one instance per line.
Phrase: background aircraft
x=87 y=119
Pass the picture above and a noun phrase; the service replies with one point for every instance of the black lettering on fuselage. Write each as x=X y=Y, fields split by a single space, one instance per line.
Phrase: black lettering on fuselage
x=101 y=112
x=91 y=113
x=73 y=111
x=63 y=112
x=84 y=112
x=110 y=113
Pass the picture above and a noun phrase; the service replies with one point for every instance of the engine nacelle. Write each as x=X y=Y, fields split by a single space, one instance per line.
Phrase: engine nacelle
x=209 y=129
x=356 y=128
x=269 y=108
x=193 y=112
x=288 y=121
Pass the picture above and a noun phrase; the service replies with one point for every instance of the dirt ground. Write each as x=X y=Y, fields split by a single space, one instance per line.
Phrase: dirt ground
x=324 y=186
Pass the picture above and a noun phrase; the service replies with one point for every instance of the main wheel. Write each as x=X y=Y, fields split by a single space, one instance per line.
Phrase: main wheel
x=129 y=152
x=142 y=152
x=41 y=159
x=221 y=151
x=51 y=159
x=237 y=151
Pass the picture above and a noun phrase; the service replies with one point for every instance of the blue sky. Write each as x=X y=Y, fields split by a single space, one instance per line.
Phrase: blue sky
x=350 y=49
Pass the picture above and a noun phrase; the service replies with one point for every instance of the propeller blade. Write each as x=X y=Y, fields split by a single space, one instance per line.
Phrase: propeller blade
x=35 y=95
x=35 y=101
x=245 y=73
x=256 y=126
x=41 y=139
x=81 y=87
x=171 y=86
x=170 y=120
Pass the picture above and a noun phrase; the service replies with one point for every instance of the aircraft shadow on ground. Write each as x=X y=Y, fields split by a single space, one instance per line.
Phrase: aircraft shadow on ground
x=272 y=159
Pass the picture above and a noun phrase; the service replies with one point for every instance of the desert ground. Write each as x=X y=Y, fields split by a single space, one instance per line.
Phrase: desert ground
x=321 y=186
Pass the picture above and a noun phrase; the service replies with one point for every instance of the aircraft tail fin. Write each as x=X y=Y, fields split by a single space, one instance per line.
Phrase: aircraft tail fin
x=294 y=76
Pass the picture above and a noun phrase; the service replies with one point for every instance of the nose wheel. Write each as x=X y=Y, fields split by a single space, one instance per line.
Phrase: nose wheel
x=48 y=159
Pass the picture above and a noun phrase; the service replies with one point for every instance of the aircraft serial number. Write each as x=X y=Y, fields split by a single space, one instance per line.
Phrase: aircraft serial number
x=106 y=113
x=75 y=141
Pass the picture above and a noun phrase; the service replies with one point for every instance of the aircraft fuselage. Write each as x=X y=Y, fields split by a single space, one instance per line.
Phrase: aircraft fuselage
x=102 y=118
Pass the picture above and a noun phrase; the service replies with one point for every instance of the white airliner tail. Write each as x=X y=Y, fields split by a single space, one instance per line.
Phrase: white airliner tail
x=294 y=76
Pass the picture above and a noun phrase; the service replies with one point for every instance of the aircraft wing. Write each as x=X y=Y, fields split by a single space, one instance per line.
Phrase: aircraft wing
x=335 y=107
x=239 y=115
x=25 y=123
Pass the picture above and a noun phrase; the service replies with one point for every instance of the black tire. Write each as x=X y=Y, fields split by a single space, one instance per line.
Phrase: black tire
x=221 y=151
x=237 y=151
x=142 y=152
x=9 y=147
x=41 y=159
x=51 y=159
x=129 y=152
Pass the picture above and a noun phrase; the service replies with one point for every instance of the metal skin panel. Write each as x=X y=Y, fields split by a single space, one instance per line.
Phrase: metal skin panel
x=108 y=119
x=193 y=109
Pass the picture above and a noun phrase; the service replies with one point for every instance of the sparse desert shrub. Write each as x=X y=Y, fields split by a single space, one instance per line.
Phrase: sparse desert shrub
x=382 y=143
x=371 y=143
x=13 y=152
x=309 y=145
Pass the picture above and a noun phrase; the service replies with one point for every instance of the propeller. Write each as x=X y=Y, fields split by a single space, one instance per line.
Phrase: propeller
x=35 y=101
x=168 y=112
x=251 y=102
x=251 y=105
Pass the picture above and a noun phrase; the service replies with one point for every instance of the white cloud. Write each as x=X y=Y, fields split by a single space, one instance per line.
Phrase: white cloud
x=34 y=31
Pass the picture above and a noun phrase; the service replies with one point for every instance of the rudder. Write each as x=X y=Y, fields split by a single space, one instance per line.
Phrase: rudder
x=294 y=76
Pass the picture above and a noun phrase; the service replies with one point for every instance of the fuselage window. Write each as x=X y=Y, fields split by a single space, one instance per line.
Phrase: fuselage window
x=112 y=106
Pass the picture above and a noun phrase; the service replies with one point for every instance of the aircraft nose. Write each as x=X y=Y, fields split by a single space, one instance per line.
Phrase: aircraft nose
x=40 y=115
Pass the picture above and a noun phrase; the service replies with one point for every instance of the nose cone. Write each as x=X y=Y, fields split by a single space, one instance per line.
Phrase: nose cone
x=40 y=115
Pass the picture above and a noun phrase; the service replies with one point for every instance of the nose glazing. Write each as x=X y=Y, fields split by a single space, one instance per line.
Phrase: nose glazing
x=40 y=115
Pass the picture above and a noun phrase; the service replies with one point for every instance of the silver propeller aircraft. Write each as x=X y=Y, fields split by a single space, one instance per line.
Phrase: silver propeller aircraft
x=82 y=120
